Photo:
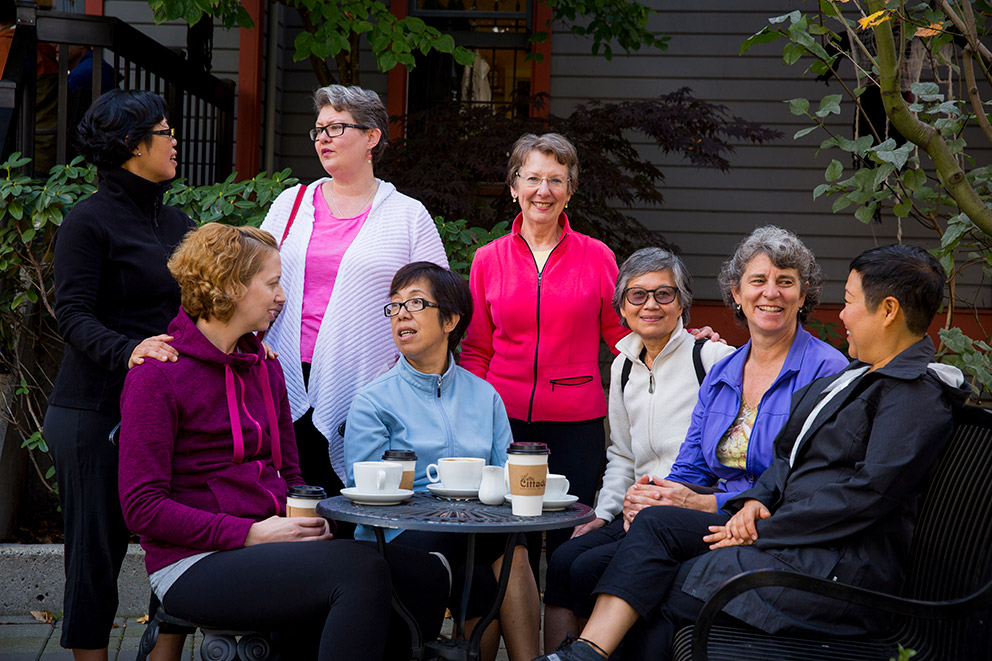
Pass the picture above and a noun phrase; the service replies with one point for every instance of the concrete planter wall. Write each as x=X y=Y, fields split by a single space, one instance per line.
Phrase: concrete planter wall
x=32 y=577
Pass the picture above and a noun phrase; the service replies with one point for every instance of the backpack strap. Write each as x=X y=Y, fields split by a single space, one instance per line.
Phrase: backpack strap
x=292 y=214
x=625 y=373
x=697 y=359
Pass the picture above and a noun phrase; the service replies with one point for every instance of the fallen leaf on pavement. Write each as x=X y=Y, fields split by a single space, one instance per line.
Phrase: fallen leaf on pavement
x=43 y=616
x=142 y=620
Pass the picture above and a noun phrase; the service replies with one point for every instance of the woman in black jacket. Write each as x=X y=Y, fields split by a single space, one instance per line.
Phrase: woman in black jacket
x=114 y=297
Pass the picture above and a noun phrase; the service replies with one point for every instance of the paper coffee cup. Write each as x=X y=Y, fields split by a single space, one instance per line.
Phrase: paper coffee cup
x=302 y=500
x=408 y=458
x=527 y=471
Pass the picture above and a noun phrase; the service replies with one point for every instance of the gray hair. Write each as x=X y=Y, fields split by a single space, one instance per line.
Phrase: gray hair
x=364 y=105
x=648 y=260
x=552 y=144
x=786 y=252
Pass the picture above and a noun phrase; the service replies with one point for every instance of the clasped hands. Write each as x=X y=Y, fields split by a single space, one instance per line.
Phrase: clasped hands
x=740 y=530
x=288 y=529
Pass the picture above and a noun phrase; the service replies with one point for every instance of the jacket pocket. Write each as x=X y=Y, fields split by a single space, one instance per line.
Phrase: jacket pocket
x=570 y=381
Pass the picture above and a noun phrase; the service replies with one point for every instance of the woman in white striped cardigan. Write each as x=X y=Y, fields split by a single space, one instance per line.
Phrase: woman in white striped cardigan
x=342 y=239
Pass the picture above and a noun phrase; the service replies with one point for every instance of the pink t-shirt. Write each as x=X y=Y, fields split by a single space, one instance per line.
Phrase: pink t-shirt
x=330 y=239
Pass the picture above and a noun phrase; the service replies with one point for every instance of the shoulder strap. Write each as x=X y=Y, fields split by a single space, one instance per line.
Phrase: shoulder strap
x=625 y=373
x=292 y=214
x=697 y=359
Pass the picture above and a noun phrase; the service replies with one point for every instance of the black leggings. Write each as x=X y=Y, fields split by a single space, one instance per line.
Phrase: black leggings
x=578 y=451
x=95 y=534
x=324 y=600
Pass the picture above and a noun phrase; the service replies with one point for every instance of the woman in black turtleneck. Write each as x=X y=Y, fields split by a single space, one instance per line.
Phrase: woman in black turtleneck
x=114 y=298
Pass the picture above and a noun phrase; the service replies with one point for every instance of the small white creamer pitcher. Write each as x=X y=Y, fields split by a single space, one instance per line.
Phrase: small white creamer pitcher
x=492 y=490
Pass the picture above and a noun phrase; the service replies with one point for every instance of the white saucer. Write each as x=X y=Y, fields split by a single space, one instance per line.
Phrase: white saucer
x=376 y=498
x=553 y=504
x=438 y=489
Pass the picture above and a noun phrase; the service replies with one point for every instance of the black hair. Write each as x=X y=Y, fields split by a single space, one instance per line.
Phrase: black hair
x=116 y=124
x=909 y=274
x=450 y=292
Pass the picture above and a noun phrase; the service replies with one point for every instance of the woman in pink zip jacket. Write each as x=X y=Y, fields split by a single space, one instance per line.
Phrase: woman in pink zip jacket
x=207 y=453
x=542 y=296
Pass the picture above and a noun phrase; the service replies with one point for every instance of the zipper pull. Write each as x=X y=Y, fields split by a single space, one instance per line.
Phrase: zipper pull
x=651 y=383
x=439 y=386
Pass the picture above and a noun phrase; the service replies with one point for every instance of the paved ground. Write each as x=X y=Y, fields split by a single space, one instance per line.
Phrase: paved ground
x=22 y=638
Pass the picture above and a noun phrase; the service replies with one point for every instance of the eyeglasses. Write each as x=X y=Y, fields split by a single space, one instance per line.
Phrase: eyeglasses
x=334 y=130
x=169 y=133
x=639 y=295
x=413 y=305
x=533 y=182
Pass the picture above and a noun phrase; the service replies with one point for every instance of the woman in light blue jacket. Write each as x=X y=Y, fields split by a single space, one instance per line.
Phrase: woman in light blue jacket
x=428 y=404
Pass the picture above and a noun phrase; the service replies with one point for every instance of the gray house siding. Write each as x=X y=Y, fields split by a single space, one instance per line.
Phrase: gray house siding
x=707 y=212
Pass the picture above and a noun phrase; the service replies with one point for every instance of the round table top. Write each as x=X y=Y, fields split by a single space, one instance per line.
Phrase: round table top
x=424 y=511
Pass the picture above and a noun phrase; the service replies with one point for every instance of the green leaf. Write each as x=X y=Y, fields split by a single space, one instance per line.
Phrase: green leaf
x=801 y=132
x=865 y=214
x=902 y=209
x=914 y=179
x=820 y=190
x=829 y=105
x=798 y=106
x=834 y=170
x=791 y=53
x=841 y=202
x=445 y=43
x=763 y=36
x=792 y=17
x=927 y=91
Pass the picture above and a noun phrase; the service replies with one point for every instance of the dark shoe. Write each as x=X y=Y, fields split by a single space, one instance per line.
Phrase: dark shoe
x=575 y=649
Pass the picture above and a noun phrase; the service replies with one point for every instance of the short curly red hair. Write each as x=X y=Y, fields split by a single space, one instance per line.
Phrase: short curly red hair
x=214 y=265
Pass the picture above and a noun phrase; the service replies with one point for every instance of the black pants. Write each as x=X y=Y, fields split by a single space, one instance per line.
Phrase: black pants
x=578 y=451
x=325 y=600
x=648 y=570
x=95 y=534
x=578 y=564
x=488 y=549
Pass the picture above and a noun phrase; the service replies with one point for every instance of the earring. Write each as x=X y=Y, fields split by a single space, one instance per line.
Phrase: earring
x=368 y=157
x=514 y=199
x=566 y=205
x=738 y=308
x=138 y=154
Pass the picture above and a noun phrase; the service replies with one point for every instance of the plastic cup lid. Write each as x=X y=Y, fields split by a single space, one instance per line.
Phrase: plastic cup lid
x=399 y=455
x=528 y=448
x=308 y=492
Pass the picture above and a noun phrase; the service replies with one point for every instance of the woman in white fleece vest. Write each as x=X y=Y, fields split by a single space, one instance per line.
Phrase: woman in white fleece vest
x=650 y=410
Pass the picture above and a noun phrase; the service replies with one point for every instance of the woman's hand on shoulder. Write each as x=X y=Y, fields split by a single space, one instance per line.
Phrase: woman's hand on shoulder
x=706 y=332
x=156 y=347
x=588 y=527
x=270 y=353
x=288 y=529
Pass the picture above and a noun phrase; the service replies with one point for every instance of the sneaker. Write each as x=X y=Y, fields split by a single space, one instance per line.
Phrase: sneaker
x=574 y=649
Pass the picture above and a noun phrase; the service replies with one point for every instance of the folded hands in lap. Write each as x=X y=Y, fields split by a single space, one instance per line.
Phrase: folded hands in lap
x=740 y=530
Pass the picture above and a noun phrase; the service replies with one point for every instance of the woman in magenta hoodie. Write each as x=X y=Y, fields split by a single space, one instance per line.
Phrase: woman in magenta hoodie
x=207 y=453
x=543 y=298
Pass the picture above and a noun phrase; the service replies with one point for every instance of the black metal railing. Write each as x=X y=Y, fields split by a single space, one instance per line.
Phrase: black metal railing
x=201 y=106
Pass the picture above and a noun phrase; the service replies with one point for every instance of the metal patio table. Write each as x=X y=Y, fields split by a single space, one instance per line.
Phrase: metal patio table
x=468 y=517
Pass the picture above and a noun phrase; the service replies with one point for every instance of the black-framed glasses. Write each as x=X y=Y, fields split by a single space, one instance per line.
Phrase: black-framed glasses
x=334 y=130
x=168 y=133
x=639 y=295
x=412 y=305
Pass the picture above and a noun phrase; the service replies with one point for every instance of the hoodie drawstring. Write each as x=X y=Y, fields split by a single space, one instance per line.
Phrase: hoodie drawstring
x=232 y=412
x=235 y=417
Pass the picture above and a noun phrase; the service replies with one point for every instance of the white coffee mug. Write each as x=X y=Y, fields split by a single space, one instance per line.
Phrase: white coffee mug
x=556 y=486
x=377 y=476
x=457 y=472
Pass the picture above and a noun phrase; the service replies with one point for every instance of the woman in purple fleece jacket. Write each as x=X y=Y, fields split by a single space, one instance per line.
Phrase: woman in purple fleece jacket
x=207 y=454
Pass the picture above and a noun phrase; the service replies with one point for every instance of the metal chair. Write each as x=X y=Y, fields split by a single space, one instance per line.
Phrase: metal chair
x=945 y=609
